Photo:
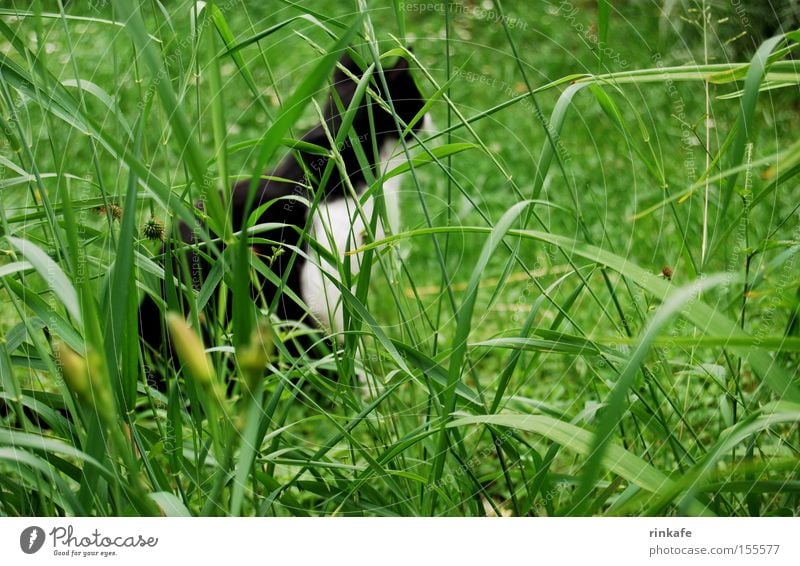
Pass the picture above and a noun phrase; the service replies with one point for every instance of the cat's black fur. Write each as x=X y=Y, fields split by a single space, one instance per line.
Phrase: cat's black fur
x=301 y=168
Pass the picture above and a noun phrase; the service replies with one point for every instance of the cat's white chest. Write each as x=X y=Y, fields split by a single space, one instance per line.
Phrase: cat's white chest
x=340 y=225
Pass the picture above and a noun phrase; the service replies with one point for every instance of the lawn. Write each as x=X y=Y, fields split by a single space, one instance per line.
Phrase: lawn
x=591 y=307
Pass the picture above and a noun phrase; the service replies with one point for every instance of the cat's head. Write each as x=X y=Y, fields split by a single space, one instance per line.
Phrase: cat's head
x=400 y=88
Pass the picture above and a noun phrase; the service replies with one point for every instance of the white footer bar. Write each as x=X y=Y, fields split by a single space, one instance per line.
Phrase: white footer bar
x=401 y=542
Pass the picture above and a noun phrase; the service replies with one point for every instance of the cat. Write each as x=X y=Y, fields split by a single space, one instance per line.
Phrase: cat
x=337 y=213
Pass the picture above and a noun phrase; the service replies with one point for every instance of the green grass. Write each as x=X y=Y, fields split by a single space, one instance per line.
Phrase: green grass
x=591 y=309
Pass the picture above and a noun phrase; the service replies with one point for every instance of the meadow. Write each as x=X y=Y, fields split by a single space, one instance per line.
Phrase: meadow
x=592 y=306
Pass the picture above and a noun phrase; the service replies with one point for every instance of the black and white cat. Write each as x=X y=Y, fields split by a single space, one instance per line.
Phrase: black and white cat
x=339 y=223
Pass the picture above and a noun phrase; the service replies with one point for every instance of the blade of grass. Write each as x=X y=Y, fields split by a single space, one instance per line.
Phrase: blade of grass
x=618 y=460
x=617 y=401
x=459 y=345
